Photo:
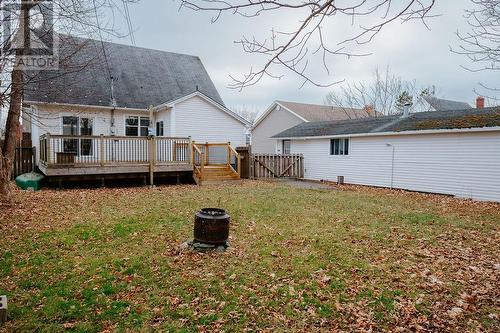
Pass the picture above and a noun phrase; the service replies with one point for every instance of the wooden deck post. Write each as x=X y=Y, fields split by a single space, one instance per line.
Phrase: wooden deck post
x=190 y=151
x=206 y=153
x=238 y=166
x=152 y=148
x=101 y=149
x=151 y=157
x=47 y=150
x=228 y=154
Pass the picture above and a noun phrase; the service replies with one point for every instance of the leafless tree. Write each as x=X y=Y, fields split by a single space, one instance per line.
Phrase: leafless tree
x=481 y=44
x=294 y=49
x=246 y=112
x=76 y=17
x=383 y=91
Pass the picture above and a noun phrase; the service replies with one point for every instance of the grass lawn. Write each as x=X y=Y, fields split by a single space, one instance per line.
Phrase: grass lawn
x=301 y=260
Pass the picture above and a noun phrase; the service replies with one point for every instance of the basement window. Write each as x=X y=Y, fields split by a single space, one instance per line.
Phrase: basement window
x=339 y=147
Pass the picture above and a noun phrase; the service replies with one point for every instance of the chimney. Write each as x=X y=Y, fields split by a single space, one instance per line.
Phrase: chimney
x=406 y=109
x=369 y=110
x=480 y=102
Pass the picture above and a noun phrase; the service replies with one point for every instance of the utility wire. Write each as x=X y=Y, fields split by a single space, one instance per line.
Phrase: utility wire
x=129 y=21
x=104 y=51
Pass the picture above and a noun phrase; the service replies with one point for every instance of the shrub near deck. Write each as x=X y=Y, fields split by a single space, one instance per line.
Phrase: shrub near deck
x=301 y=260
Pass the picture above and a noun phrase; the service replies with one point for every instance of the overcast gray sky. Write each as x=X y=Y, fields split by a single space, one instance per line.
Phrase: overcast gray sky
x=410 y=49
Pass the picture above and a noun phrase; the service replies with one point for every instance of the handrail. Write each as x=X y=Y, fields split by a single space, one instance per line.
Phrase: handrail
x=112 y=137
x=232 y=151
x=195 y=147
x=105 y=150
x=199 y=156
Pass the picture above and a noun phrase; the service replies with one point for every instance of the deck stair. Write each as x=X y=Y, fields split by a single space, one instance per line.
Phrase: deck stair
x=215 y=163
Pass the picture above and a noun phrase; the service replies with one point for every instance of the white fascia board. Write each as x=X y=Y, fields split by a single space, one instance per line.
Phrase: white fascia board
x=438 y=131
x=295 y=114
x=270 y=109
x=86 y=106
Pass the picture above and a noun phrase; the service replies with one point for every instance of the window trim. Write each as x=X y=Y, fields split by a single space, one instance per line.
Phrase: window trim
x=343 y=140
x=283 y=147
x=78 y=135
x=138 y=125
x=162 y=128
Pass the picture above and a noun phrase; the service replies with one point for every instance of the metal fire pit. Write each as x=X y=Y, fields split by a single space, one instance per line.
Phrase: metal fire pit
x=211 y=226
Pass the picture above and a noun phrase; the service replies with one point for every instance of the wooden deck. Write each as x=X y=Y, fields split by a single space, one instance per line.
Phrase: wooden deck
x=63 y=155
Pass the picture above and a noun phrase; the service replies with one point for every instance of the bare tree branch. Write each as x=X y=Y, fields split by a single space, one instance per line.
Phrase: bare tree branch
x=481 y=44
x=293 y=50
x=385 y=92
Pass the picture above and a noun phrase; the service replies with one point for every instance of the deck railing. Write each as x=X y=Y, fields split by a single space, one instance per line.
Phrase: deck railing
x=198 y=161
x=215 y=154
x=67 y=150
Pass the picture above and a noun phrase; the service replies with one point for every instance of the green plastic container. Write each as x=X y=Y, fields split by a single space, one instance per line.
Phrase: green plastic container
x=30 y=181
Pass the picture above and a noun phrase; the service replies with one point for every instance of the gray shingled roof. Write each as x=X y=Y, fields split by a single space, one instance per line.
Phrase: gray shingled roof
x=469 y=118
x=440 y=104
x=315 y=112
x=143 y=77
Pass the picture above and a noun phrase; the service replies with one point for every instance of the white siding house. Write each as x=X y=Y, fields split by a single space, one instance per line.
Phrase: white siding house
x=92 y=120
x=282 y=115
x=464 y=162
x=194 y=115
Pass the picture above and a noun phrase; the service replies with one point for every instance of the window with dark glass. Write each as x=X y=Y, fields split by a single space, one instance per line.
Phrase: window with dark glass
x=70 y=127
x=76 y=126
x=159 y=128
x=136 y=126
x=85 y=130
x=339 y=146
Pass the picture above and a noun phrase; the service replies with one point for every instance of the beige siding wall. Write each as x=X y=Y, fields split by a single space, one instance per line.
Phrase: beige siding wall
x=164 y=115
x=205 y=122
x=275 y=122
x=49 y=118
x=121 y=116
x=466 y=165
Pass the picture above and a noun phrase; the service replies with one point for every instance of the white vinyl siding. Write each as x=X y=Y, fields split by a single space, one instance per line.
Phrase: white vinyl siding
x=275 y=122
x=205 y=122
x=462 y=164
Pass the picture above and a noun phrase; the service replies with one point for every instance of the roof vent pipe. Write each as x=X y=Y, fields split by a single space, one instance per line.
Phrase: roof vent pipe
x=406 y=109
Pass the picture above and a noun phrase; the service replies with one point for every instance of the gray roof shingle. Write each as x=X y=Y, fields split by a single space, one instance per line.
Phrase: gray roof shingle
x=440 y=104
x=142 y=77
x=469 y=118
x=315 y=112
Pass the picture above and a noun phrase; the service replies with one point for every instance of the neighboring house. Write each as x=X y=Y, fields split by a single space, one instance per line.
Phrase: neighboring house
x=282 y=115
x=123 y=93
x=449 y=152
x=431 y=103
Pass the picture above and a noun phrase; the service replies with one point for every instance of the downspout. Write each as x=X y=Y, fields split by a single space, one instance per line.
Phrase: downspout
x=392 y=164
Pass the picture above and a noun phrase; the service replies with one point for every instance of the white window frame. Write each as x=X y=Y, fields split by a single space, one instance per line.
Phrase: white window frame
x=289 y=147
x=162 y=128
x=138 y=125
x=79 y=117
x=341 y=140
